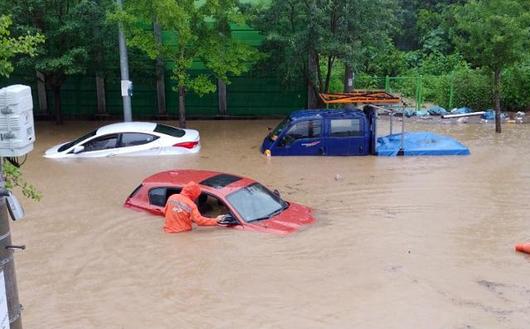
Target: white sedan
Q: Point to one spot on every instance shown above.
(129, 139)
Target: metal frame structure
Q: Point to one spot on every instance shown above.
(360, 97)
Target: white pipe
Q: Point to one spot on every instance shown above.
(473, 114)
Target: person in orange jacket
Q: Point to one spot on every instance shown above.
(180, 210)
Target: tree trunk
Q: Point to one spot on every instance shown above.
(160, 76)
(100, 74)
(316, 58)
(312, 98)
(182, 107)
(100, 94)
(221, 93)
(328, 74)
(160, 87)
(348, 79)
(41, 93)
(58, 109)
(312, 93)
(497, 95)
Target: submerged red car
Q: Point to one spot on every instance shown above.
(246, 204)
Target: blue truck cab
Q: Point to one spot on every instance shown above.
(324, 132)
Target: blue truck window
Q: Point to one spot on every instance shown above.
(345, 127)
(279, 129)
(302, 130)
(305, 129)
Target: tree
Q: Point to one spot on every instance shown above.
(411, 34)
(12, 46)
(67, 26)
(493, 34)
(101, 47)
(200, 32)
(307, 38)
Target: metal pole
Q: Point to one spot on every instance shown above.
(402, 129)
(391, 116)
(402, 146)
(124, 68)
(421, 93)
(417, 93)
(451, 90)
(7, 264)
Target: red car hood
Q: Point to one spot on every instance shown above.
(288, 221)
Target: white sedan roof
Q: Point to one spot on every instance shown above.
(141, 127)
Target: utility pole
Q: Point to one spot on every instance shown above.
(18, 134)
(126, 85)
(8, 280)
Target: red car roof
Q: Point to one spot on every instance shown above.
(181, 177)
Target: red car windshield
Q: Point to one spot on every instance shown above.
(255, 202)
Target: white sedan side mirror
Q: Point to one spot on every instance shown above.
(78, 149)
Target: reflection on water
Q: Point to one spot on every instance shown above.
(400, 243)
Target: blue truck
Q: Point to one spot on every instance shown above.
(350, 132)
(324, 132)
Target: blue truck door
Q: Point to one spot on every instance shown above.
(301, 138)
(346, 136)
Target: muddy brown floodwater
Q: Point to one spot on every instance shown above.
(420, 242)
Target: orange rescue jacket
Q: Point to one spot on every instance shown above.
(180, 210)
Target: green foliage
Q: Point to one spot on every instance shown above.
(71, 29)
(11, 46)
(67, 26)
(424, 25)
(515, 88)
(389, 61)
(434, 28)
(473, 88)
(13, 178)
(493, 33)
(201, 33)
(347, 31)
(446, 42)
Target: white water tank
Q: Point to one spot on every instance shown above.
(17, 132)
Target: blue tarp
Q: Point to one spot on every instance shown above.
(420, 143)
(437, 110)
(422, 114)
(490, 115)
(461, 110)
(410, 112)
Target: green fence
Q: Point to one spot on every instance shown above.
(248, 96)
(259, 95)
(264, 96)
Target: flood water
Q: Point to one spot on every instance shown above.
(419, 242)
